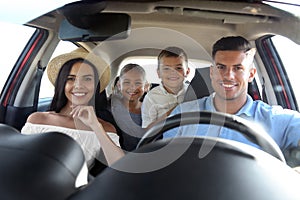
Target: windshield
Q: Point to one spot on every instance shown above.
(292, 6)
(26, 10)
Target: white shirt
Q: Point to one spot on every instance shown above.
(158, 101)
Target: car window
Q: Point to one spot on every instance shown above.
(12, 48)
(289, 53)
(150, 66)
(47, 89)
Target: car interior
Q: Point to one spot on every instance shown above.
(117, 30)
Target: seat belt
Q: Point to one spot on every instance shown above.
(263, 92)
(37, 79)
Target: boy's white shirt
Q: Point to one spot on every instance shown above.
(158, 101)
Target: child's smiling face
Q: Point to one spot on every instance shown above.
(132, 85)
(172, 72)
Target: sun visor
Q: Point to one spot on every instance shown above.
(96, 27)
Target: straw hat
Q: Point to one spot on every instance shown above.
(102, 67)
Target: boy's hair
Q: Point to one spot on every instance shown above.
(231, 43)
(135, 67)
(172, 52)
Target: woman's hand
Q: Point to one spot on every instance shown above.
(86, 114)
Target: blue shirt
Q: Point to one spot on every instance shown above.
(283, 125)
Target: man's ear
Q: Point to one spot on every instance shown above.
(211, 72)
(252, 73)
(187, 72)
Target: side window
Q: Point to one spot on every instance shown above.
(289, 53)
(47, 89)
(11, 49)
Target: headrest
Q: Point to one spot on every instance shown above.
(40, 166)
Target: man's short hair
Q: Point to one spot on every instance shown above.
(231, 43)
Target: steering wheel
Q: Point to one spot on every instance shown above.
(257, 136)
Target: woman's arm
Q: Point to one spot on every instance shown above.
(87, 115)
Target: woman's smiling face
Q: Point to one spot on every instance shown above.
(80, 85)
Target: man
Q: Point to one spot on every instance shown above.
(230, 74)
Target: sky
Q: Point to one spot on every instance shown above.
(21, 11)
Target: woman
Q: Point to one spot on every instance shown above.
(126, 104)
(75, 76)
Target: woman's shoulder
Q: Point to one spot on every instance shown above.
(38, 117)
(50, 118)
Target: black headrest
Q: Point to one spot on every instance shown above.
(40, 166)
(187, 168)
(200, 85)
(6, 129)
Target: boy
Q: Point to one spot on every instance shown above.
(160, 101)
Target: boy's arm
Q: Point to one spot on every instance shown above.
(148, 111)
(163, 117)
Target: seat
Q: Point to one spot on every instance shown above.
(200, 85)
(6, 129)
(41, 166)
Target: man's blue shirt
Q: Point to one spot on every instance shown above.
(282, 125)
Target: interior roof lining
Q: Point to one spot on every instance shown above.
(228, 7)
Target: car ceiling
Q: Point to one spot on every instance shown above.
(157, 24)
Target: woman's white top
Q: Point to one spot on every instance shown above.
(86, 139)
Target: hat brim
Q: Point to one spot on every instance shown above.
(102, 67)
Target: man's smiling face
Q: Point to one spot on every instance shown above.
(231, 74)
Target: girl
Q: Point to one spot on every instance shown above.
(126, 104)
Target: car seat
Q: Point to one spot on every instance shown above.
(40, 166)
(200, 85)
(6, 129)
